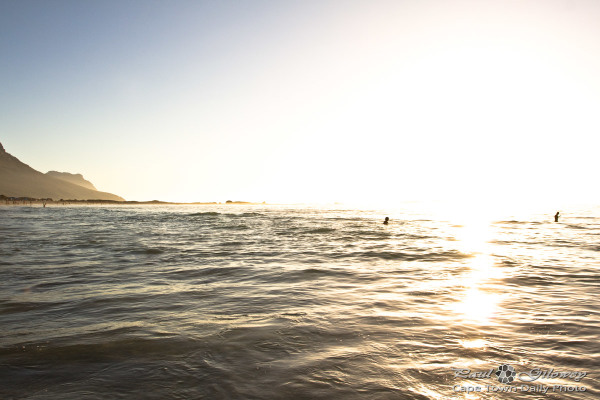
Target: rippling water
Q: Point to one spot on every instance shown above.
(274, 302)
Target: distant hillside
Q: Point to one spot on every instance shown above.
(73, 178)
(18, 179)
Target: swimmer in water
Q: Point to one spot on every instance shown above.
(387, 219)
(556, 216)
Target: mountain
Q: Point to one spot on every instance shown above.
(73, 178)
(18, 179)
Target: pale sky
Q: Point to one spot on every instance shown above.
(352, 101)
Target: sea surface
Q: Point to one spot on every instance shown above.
(296, 302)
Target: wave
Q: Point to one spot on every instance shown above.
(185, 274)
(139, 250)
(320, 230)
(246, 214)
(450, 255)
(10, 307)
(153, 251)
(532, 281)
(573, 226)
(240, 227)
(232, 244)
(337, 275)
(108, 345)
(204, 214)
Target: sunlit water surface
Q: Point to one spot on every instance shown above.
(281, 302)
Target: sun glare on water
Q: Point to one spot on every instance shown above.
(474, 344)
(479, 301)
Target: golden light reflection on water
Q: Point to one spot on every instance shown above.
(481, 270)
(477, 306)
(474, 343)
(478, 302)
(474, 237)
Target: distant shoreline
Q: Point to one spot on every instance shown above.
(26, 201)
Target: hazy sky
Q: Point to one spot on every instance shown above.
(368, 101)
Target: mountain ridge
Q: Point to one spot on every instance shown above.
(18, 179)
(77, 179)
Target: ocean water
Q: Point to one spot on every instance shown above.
(294, 302)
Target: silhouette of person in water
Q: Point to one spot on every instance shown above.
(556, 216)
(387, 219)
